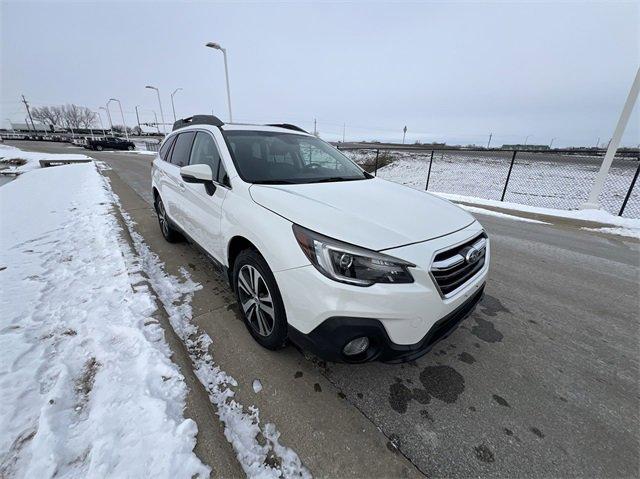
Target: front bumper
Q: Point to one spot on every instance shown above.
(328, 339)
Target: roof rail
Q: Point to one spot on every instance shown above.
(198, 120)
(288, 126)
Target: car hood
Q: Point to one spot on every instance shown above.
(374, 213)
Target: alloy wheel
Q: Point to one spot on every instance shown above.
(162, 218)
(256, 300)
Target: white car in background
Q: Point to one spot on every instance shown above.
(351, 267)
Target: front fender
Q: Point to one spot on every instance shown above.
(269, 232)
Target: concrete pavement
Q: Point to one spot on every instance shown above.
(541, 381)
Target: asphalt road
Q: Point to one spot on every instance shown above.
(542, 380)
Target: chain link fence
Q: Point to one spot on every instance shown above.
(549, 179)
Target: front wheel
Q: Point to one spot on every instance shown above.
(130, 147)
(259, 300)
(169, 233)
(99, 147)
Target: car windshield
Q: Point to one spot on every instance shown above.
(286, 158)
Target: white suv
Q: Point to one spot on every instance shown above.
(349, 266)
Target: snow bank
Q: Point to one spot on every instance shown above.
(87, 385)
(32, 158)
(497, 214)
(257, 448)
(612, 224)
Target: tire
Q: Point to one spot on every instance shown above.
(130, 148)
(99, 147)
(267, 323)
(169, 233)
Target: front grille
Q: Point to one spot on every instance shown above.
(453, 268)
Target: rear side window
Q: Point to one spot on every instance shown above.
(164, 151)
(182, 149)
(205, 152)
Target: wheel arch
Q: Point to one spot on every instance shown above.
(237, 244)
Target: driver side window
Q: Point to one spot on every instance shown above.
(205, 152)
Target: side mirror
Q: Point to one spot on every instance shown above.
(196, 174)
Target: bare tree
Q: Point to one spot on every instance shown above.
(87, 117)
(49, 115)
(71, 116)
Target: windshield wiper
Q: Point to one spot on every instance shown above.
(335, 178)
(275, 182)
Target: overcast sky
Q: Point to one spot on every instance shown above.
(449, 71)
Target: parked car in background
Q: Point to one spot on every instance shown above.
(352, 267)
(109, 143)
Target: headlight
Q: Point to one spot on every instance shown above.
(351, 264)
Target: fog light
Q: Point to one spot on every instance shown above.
(356, 346)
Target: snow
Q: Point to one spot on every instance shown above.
(497, 214)
(143, 152)
(596, 216)
(548, 180)
(32, 158)
(242, 426)
(257, 386)
(87, 385)
(620, 231)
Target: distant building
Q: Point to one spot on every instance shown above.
(525, 147)
(26, 127)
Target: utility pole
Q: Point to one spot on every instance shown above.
(598, 143)
(551, 142)
(489, 142)
(344, 127)
(404, 133)
(315, 127)
(614, 143)
(26, 104)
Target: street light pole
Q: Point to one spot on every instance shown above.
(173, 107)
(124, 124)
(109, 117)
(10, 125)
(100, 118)
(138, 119)
(526, 139)
(164, 128)
(551, 142)
(216, 46)
(155, 115)
(598, 184)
